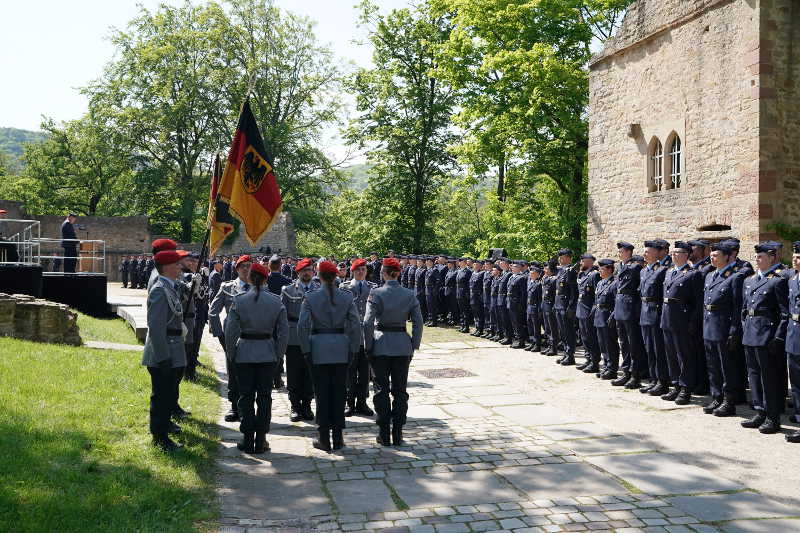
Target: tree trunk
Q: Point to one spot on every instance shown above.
(579, 217)
(501, 178)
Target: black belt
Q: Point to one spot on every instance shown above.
(255, 336)
(175, 332)
(292, 319)
(396, 329)
(321, 331)
(760, 312)
(672, 301)
(650, 299)
(712, 307)
(628, 292)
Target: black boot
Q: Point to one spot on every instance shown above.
(363, 409)
(684, 397)
(296, 414)
(672, 395)
(164, 443)
(659, 389)
(770, 425)
(633, 383)
(711, 407)
(622, 380)
(324, 441)
(232, 415)
(247, 443)
(583, 365)
(383, 436)
(568, 360)
(728, 407)
(261, 445)
(306, 412)
(591, 368)
(756, 421)
(397, 435)
(338, 439)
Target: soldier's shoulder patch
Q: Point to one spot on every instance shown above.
(727, 273)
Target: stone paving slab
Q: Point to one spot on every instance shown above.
(561, 480)
(468, 382)
(254, 467)
(274, 497)
(454, 345)
(762, 526)
(361, 496)
(576, 431)
(658, 473)
(535, 415)
(454, 488)
(609, 445)
(466, 410)
(504, 399)
(493, 390)
(423, 412)
(718, 507)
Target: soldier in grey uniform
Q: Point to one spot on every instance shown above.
(298, 374)
(390, 349)
(164, 350)
(223, 300)
(256, 331)
(330, 335)
(358, 375)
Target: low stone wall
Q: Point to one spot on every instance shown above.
(29, 318)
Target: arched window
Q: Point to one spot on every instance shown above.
(675, 163)
(655, 165)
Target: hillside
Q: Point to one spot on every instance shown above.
(13, 139)
(357, 176)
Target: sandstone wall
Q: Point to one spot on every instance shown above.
(677, 67)
(29, 318)
(281, 236)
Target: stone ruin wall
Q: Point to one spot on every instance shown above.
(28, 318)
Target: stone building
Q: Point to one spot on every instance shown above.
(694, 123)
(281, 236)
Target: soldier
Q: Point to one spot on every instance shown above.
(123, 271)
(488, 278)
(404, 266)
(450, 309)
(358, 373)
(503, 319)
(626, 315)
(547, 307)
(463, 293)
(200, 302)
(133, 274)
(374, 268)
(722, 301)
(517, 303)
(533, 312)
(765, 318)
(298, 376)
(566, 304)
(223, 300)
(699, 260)
(587, 285)
(142, 273)
(164, 350)
(419, 286)
(330, 335)
(605, 295)
(678, 318)
(227, 269)
(433, 283)
(214, 280)
(411, 272)
(651, 290)
(150, 269)
(256, 331)
(793, 337)
(476, 298)
(390, 349)
(744, 269)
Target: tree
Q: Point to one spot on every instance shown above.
(404, 116)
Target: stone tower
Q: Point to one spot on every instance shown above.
(694, 123)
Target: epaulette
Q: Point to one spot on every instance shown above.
(727, 273)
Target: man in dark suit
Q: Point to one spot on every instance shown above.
(69, 242)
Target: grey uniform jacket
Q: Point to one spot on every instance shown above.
(330, 333)
(164, 325)
(389, 307)
(292, 297)
(360, 292)
(249, 316)
(223, 300)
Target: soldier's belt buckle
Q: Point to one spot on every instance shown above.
(751, 312)
(709, 307)
(666, 300)
(796, 318)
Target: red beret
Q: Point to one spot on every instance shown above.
(3, 211)
(258, 267)
(358, 263)
(327, 266)
(168, 257)
(160, 245)
(243, 259)
(391, 262)
(305, 263)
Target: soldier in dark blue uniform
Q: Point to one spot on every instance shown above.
(404, 266)
(566, 304)
(548, 302)
(605, 295)
(227, 269)
(475, 290)
(419, 287)
(450, 309)
(587, 285)
(276, 281)
(626, 314)
(682, 305)
(533, 312)
(123, 270)
(503, 319)
(651, 289)
(517, 303)
(374, 268)
(699, 260)
(722, 302)
(411, 272)
(765, 320)
(497, 327)
(744, 269)
(463, 293)
(793, 337)
(488, 323)
(433, 284)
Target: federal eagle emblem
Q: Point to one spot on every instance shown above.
(253, 170)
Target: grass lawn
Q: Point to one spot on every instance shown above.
(75, 453)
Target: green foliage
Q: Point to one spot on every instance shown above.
(785, 231)
(13, 141)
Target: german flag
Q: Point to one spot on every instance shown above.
(219, 217)
(248, 189)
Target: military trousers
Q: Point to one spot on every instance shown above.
(465, 311)
(609, 347)
(255, 396)
(452, 309)
(721, 372)
(330, 389)
(233, 381)
(488, 319)
(552, 326)
(358, 378)
(794, 378)
(298, 377)
(162, 400)
(70, 257)
(638, 360)
(680, 359)
(433, 306)
(391, 377)
(698, 347)
(124, 279)
(518, 321)
(766, 374)
(534, 319)
(477, 315)
(566, 328)
(656, 356)
(591, 344)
